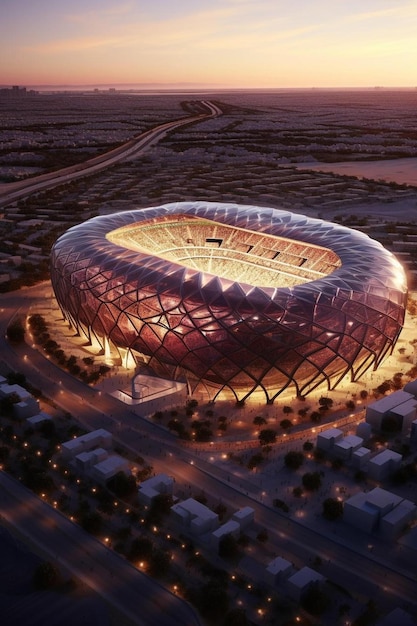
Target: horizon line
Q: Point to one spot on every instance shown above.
(195, 85)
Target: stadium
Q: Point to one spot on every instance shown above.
(233, 299)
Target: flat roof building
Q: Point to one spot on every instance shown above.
(301, 581)
(194, 516)
(99, 438)
(384, 464)
(244, 516)
(109, 467)
(391, 406)
(327, 438)
(155, 486)
(278, 570)
(378, 508)
(344, 448)
(229, 528)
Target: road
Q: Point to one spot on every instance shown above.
(384, 575)
(135, 595)
(9, 192)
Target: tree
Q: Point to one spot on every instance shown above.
(45, 576)
(121, 484)
(259, 420)
(308, 446)
(141, 549)
(315, 417)
(262, 535)
(203, 434)
(337, 464)
(267, 436)
(315, 601)
(397, 380)
(293, 459)
(285, 424)
(325, 403)
(311, 481)
(228, 547)
(159, 563)
(384, 387)
(255, 460)
(287, 410)
(92, 523)
(332, 509)
(221, 510)
(16, 331)
(159, 509)
(213, 601)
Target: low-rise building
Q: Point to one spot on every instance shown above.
(229, 528)
(384, 464)
(99, 438)
(277, 571)
(399, 406)
(327, 439)
(245, 516)
(300, 582)
(85, 460)
(194, 517)
(38, 419)
(345, 447)
(364, 430)
(397, 520)
(152, 487)
(378, 509)
(360, 457)
(109, 467)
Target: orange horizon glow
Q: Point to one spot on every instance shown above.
(224, 43)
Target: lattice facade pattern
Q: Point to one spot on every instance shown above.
(337, 308)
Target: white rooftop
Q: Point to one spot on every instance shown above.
(393, 400)
(111, 464)
(385, 457)
(226, 529)
(361, 452)
(195, 508)
(330, 433)
(305, 576)
(350, 441)
(278, 565)
(7, 390)
(405, 408)
(381, 498)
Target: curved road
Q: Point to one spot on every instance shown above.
(10, 192)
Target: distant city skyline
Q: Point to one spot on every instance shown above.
(222, 43)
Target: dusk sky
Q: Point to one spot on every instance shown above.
(224, 43)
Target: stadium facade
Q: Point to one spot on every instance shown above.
(237, 299)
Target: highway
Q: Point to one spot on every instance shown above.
(386, 575)
(9, 192)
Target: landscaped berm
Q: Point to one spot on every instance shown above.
(236, 299)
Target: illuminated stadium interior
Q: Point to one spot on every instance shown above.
(229, 252)
(234, 299)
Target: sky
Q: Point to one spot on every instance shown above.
(222, 43)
